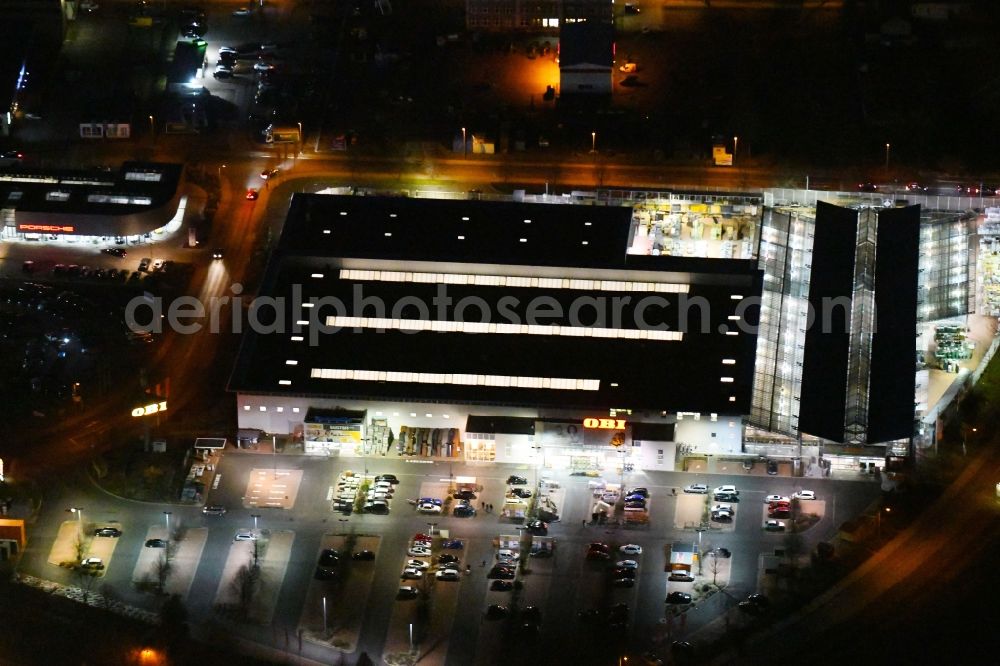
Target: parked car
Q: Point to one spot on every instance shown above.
(523, 493)
(448, 574)
(501, 586)
(697, 488)
(598, 555)
(537, 527)
(214, 510)
(391, 478)
(453, 544)
(406, 592)
(681, 575)
(447, 558)
(514, 480)
(726, 497)
(496, 612)
(252, 194)
(92, 564)
(428, 507)
(644, 492)
(156, 543)
(411, 573)
(623, 582)
(222, 71)
(772, 467)
(242, 12)
(678, 598)
(107, 532)
(417, 564)
(379, 507)
(419, 551)
(498, 572)
(245, 535)
(507, 555)
(774, 526)
(755, 604)
(780, 512)
(624, 572)
(541, 552)
(627, 564)
(721, 552)
(464, 511)
(730, 489)
(363, 555)
(804, 495)
(775, 498)
(630, 549)
(464, 495)
(429, 500)
(115, 252)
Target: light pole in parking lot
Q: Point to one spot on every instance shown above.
(593, 143)
(736, 147)
(78, 510)
(221, 167)
(324, 618)
(255, 516)
(167, 515)
(888, 509)
(465, 149)
(152, 128)
(887, 149)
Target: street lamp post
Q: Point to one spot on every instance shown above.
(255, 516)
(736, 147)
(593, 142)
(887, 149)
(167, 514)
(324, 618)
(221, 167)
(78, 510)
(152, 127)
(465, 146)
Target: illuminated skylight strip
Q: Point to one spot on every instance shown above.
(438, 326)
(504, 381)
(511, 281)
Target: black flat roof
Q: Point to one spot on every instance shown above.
(683, 374)
(90, 191)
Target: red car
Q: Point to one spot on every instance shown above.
(252, 194)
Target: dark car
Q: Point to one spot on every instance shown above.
(514, 480)
(681, 575)
(726, 497)
(464, 495)
(624, 572)
(779, 513)
(597, 555)
(447, 559)
(639, 491)
(156, 543)
(502, 573)
(107, 532)
(214, 510)
(755, 604)
(464, 511)
(623, 582)
(722, 552)
(222, 72)
(454, 544)
(868, 187)
(537, 527)
(772, 467)
(541, 552)
(496, 612)
(252, 194)
(391, 478)
(678, 598)
(363, 555)
(635, 504)
(501, 586)
(329, 558)
(407, 592)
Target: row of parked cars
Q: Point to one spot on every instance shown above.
(421, 562)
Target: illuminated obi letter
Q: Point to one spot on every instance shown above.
(153, 408)
(604, 424)
(50, 228)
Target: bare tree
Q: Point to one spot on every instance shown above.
(161, 571)
(79, 548)
(246, 583)
(714, 566)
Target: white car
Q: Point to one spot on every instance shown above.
(631, 549)
(775, 498)
(242, 11)
(507, 555)
(419, 551)
(411, 573)
(447, 574)
(417, 564)
(627, 564)
(730, 489)
(88, 6)
(698, 488)
(722, 508)
(427, 507)
(245, 535)
(262, 66)
(805, 495)
(775, 526)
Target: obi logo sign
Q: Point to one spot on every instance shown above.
(604, 424)
(153, 408)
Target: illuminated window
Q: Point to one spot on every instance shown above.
(357, 275)
(295, 410)
(246, 408)
(263, 408)
(504, 381)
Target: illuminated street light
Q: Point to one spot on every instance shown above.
(255, 516)
(221, 167)
(736, 147)
(887, 148)
(593, 142)
(152, 127)
(465, 150)
(78, 510)
(167, 514)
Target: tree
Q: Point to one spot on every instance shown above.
(245, 584)
(161, 571)
(714, 565)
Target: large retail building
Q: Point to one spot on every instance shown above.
(495, 331)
